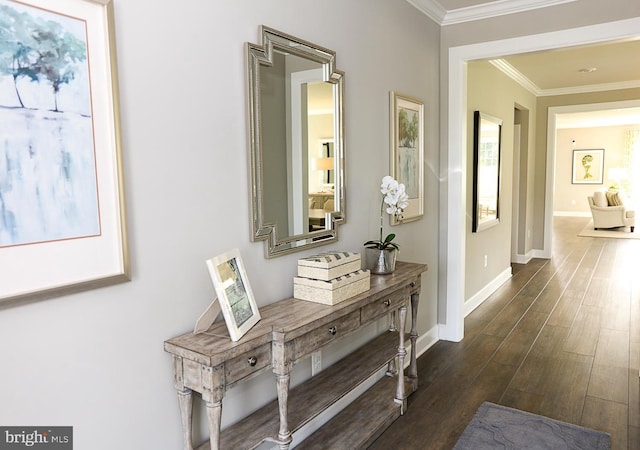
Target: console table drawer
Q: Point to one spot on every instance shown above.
(321, 336)
(384, 305)
(247, 364)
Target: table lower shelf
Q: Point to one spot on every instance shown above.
(359, 424)
(309, 399)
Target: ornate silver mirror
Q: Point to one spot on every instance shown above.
(296, 149)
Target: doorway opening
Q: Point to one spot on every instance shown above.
(451, 290)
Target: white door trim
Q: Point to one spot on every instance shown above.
(453, 198)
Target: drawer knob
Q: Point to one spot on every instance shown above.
(333, 331)
(252, 361)
(387, 302)
(413, 284)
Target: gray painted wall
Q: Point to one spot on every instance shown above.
(95, 360)
(571, 198)
(492, 92)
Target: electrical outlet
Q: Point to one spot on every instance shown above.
(486, 260)
(316, 362)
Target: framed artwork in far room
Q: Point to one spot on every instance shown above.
(587, 166)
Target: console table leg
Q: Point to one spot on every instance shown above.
(413, 364)
(391, 367)
(214, 414)
(284, 433)
(185, 400)
(392, 321)
(402, 352)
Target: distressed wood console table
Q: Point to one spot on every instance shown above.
(289, 331)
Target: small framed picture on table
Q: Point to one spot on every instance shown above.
(234, 293)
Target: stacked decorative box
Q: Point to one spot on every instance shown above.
(330, 278)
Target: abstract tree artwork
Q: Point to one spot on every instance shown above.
(47, 165)
(61, 198)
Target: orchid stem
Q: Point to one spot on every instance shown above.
(381, 211)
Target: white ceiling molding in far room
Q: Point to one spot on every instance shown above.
(437, 10)
(600, 115)
(529, 85)
(516, 75)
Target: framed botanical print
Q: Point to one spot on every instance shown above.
(588, 166)
(407, 152)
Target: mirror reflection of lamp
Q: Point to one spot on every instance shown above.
(325, 164)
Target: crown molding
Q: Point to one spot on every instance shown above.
(434, 10)
(591, 88)
(431, 8)
(516, 76)
(529, 85)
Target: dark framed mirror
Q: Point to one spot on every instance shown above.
(487, 138)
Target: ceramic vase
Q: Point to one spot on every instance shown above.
(380, 262)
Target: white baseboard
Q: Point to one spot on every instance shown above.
(484, 293)
(540, 254)
(534, 253)
(426, 341)
(522, 259)
(572, 213)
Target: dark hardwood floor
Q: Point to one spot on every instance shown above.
(561, 338)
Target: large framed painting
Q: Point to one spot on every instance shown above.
(62, 218)
(407, 152)
(235, 296)
(588, 167)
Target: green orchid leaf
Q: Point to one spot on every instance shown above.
(372, 244)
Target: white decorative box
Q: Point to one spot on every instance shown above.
(330, 265)
(333, 291)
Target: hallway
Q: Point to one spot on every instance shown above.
(561, 338)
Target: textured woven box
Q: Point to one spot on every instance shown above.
(330, 265)
(333, 291)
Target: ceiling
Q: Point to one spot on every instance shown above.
(587, 68)
(599, 67)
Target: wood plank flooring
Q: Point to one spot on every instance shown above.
(561, 338)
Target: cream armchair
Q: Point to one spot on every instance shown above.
(605, 216)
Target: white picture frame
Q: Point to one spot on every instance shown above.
(588, 166)
(235, 296)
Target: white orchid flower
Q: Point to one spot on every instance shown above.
(395, 198)
(389, 185)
